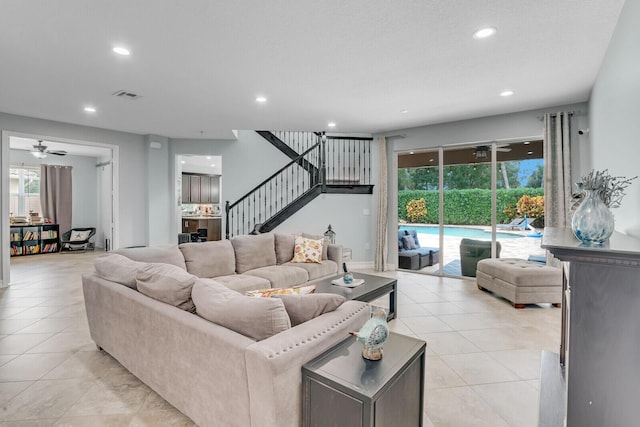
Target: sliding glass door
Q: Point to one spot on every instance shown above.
(484, 201)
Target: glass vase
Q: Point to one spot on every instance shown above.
(592, 223)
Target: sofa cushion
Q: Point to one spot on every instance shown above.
(316, 271)
(268, 292)
(167, 283)
(307, 250)
(256, 318)
(284, 247)
(243, 282)
(209, 259)
(325, 246)
(254, 251)
(301, 308)
(281, 276)
(118, 268)
(160, 254)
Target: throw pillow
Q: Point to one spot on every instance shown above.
(167, 283)
(294, 290)
(256, 318)
(408, 243)
(118, 268)
(325, 245)
(79, 236)
(301, 308)
(307, 250)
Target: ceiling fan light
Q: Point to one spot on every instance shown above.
(38, 154)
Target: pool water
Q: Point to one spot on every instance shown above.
(452, 231)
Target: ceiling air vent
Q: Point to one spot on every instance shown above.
(125, 94)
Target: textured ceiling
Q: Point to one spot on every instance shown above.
(199, 65)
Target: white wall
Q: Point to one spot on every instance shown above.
(132, 170)
(158, 191)
(84, 212)
(615, 114)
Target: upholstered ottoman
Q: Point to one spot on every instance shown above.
(519, 281)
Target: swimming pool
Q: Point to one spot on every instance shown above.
(453, 231)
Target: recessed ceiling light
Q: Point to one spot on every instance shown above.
(404, 111)
(331, 124)
(527, 142)
(183, 162)
(431, 160)
(208, 157)
(483, 33)
(507, 93)
(530, 152)
(261, 99)
(410, 152)
(89, 109)
(213, 165)
(121, 51)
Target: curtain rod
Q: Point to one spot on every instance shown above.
(576, 112)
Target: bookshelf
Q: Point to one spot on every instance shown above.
(34, 239)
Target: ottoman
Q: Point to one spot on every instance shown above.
(519, 281)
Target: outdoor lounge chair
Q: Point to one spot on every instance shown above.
(77, 239)
(516, 224)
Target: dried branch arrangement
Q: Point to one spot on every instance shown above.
(609, 188)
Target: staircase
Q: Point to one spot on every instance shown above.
(319, 164)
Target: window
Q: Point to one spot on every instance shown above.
(24, 190)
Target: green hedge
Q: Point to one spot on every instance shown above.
(464, 207)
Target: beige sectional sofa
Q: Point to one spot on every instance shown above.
(212, 374)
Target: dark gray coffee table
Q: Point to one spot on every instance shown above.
(373, 288)
(341, 389)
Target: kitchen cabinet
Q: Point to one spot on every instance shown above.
(186, 189)
(215, 189)
(200, 188)
(213, 226)
(195, 188)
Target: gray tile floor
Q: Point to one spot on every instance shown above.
(483, 356)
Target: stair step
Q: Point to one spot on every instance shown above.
(348, 189)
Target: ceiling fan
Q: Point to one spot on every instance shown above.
(482, 151)
(40, 151)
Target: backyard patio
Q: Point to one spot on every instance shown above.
(515, 244)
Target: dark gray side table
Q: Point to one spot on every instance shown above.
(340, 388)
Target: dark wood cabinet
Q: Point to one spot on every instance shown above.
(212, 225)
(200, 188)
(205, 189)
(195, 188)
(186, 189)
(215, 189)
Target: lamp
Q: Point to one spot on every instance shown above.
(330, 235)
(38, 154)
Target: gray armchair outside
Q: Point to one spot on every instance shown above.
(472, 251)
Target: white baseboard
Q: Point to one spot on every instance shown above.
(364, 265)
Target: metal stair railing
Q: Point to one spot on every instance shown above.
(273, 195)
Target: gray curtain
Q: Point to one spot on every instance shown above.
(557, 169)
(380, 262)
(55, 195)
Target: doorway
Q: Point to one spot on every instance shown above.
(95, 183)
